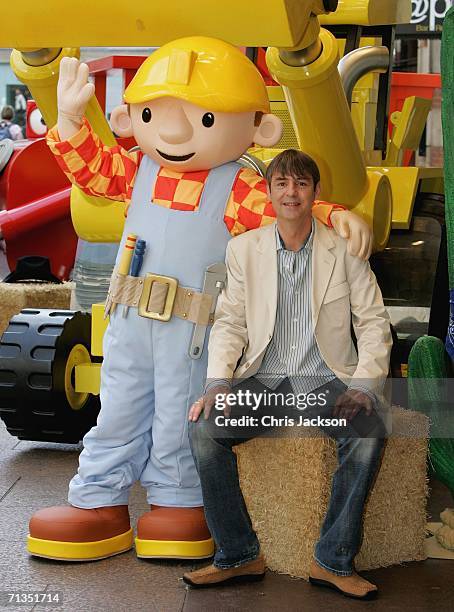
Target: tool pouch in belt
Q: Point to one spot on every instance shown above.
(159, 297)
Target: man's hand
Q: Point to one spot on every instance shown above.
(73, 94)
(358, 233)
(207, 401)
(350, 403)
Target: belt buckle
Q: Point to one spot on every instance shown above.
(146, 292)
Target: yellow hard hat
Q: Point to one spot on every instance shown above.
(205, 71)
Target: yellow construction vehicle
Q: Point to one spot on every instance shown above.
(334, 110)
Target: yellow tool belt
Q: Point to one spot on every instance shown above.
(159, 297)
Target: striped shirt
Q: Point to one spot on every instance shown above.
(293, 352)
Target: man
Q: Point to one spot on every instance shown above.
(8, 129)
(292, 290)
(20, 106)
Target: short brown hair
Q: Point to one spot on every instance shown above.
(7, 113)
(293, 163)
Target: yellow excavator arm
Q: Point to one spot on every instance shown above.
(254, 23)
(301, 56)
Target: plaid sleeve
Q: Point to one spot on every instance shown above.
(322, 211)
(97, 169)
(249, 208)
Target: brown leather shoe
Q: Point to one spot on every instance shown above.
(212, 576)
(78, 534)
(175, 533)
(350, 586)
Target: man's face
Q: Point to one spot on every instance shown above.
(292, 197)
(185, 137)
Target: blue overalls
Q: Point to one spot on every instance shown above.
(148, 380)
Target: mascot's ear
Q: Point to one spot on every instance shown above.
(121, 121)
(269, 131)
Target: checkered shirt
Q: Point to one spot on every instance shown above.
(99, 170)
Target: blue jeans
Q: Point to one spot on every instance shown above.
(225, 509)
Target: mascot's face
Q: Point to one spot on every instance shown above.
(185, 137)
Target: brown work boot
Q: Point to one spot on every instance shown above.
(67, 533)
(173, 533)
(212, 576)
(350, 586)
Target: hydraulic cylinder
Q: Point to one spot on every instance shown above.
(324, 128)
(322, 120)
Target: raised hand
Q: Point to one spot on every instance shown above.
(73, 94)
(73, 90)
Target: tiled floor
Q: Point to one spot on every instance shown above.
(33, 475)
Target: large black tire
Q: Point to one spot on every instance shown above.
(37, 397)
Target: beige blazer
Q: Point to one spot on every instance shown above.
(344, 290)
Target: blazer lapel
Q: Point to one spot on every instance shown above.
(266, 246)
(322, 267)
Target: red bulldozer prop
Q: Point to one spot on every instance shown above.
(34, 202)
(34, 193)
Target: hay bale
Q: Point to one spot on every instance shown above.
(287, 483)
(16, 296)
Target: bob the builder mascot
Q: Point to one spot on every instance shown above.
(194, 107)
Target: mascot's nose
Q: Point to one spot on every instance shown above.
(176, 128)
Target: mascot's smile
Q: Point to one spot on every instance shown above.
(175, 158)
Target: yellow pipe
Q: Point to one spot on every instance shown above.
(97, 219)
(42, 83)
(311, 33)
(94, 218)
(116, 23)
(323, 126)
(369, 12)
(322, 121)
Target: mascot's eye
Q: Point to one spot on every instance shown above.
(146, 115)
(208, 119)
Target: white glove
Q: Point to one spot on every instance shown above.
(358, 233)
(73, 90)
(73, 94)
